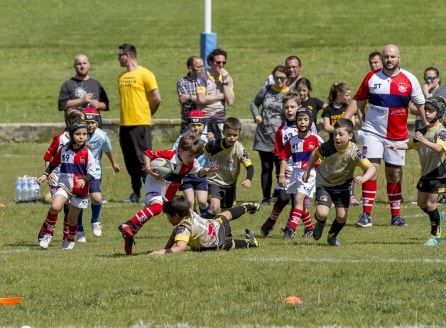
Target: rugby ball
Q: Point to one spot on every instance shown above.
(161, 166)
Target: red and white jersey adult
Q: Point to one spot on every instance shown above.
(180, 170)
(299, 150)
(74, 164)
(388, 102)
(285, 132)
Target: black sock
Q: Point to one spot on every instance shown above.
(237, 211)
(434, 217)
(241, 243)
(336, 227)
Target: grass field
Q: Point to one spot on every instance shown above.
(379, 277)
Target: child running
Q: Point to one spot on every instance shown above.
(204, 234)
(290, 105)
(159, 189)
(296, 153)
(77, 169)
(431, 146)
(229, 153)
(339, 157)
(98, 143)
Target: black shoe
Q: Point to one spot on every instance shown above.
(317, 231)
(251, 207)
(133, 198)
(251, 238)
(288, 233)
(267, 227)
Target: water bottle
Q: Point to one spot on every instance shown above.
(18, 190)
(35, 189)
(25, 189)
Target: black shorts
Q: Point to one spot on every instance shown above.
(226, 195)
(338, 197)
(431, 185)
(224, 233)
(194, 182)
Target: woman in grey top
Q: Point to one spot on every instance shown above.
(268, 120)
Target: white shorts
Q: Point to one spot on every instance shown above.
(155, 189)
(374, 147)
(76, 201)
(296, 185)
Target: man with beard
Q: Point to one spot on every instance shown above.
(388, 92)
(81, 90)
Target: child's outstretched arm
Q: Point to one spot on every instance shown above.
(368, 174)
(180, 246)
(403, 146)
(282, 173)
(432, 145)
(313, 159)
(113, 162)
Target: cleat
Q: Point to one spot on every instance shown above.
(432, 241)
(265, 202)
(365, 221)
(45, 241)
(398, 221)
(68, 245)
(133, 198)
(317, 231)
(288, 233)
(332, 240)
(80, 237)
(354, 201)
(266, 227)
(127, 234)
(251, 238)
(251, 207)
(96, 227)
(308, 233)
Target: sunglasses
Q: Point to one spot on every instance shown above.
(223, 62)
(279, 78)
(429, 78)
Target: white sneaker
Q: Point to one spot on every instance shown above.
(80, 237)
(68, 245)
(45, 241)
(97, 229)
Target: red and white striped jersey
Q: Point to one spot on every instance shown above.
(74, 164)
(388, 102)
(58, 142)
(180, 170)
(284, 133)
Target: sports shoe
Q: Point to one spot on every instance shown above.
(354, 201)
(288, 233)
(432, 241)
(80, 237)
(265, 202)
(45, 241)
(308, 233)
(398, 221)
(332, 240)
(317, 231)
(251, 207)
(127, 234)
(365, 221)
(96, 227)
(68, 245)
(133, 198)
(266, 227)
(251, 238)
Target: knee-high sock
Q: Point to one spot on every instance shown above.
(95, 212)
(306, 219)
(49, 224)
(144, 215)
(296, 215)
(368, 196)
(394, 193)
(434, 218)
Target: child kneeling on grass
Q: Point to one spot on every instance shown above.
(159, 189)
(77, 169)
(204, 234)
(431, 146)
(339, 157)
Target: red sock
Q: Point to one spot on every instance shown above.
(296, 215)
(66, 227)
(394, 193)
(368, 196)
(275, 212)
(306, 219)
(49, 225)
(145, 214)
(71, 236)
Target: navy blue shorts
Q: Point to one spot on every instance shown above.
(95, 186)
(194, 182)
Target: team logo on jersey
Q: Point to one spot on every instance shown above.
(402, 87)
(311, 145)
(442, 136)
(211, 231)
(82, 160)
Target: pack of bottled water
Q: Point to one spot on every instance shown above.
(27, 189)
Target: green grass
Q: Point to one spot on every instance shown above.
(381, 276)
(40, 39)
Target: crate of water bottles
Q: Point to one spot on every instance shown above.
(27, 189)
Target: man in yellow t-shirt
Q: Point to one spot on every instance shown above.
(139, 100)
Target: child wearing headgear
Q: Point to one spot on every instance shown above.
(77, 168)
(431, 145)
(195, 188)
(98, 143)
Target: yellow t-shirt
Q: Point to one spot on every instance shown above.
(134, 88)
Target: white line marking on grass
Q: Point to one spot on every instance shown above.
(14, 250)
(331, 260)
